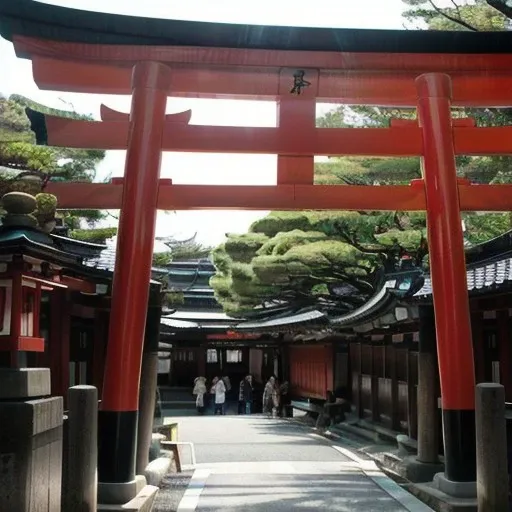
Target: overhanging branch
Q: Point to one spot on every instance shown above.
(501, 6)
(459, 21)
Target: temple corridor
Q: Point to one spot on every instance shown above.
(259, 464)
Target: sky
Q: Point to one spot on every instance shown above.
(214, 169)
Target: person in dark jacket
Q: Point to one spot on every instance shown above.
(247, 394)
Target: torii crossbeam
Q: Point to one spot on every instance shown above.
(153, 59)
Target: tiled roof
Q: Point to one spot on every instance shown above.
(201, 316)
(107, 259)
(290, 320)
(480, 278)
(178, 324)
(489, 266)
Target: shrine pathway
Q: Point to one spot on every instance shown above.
(257, 464)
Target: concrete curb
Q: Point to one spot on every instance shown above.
(157, 469)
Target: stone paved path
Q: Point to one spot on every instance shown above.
(256, 464)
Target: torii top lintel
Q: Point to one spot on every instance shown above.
(83, 51)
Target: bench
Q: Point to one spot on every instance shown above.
(171, 443)
(173, 446)
(323, 413)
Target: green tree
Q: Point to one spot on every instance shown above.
(161, 259)
(27, 167)
(190, 251)
(327, 260)
(187, 250)
(473, 15)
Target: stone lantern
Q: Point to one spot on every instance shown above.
(30, 420)
(20, 286)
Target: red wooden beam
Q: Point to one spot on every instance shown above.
(178, 136)
(72, 133)
(496, 140)
(474, 87)
(281, 197)
(98, 196)
(129, 55)
(20, 343)
(485, 198)
(104, 196)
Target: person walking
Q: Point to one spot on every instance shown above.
(211, 396)
(269, 396)
(247, 394)
(200, 392)
(241, 404)
(220, 395)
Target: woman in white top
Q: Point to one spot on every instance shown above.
(220, 395)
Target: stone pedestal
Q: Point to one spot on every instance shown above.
(30, 442)
(416, 471)
(120, 493)
(491, 448)
(455, 489)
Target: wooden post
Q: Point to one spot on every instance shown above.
(80, 481)
(374, 387)
(491, 452)
(412, 394)
(505, 352)
(395, 420)
(148, 385)
(428, 442)
(130, 290)
(59, 345)
(448, 274)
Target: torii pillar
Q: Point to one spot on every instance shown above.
(448, 272)
(118, 415)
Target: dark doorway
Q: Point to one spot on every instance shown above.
(81, 351)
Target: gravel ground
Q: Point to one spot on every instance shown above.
(171, 491)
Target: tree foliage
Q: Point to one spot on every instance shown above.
(473, 15)
(327, 260)
(161, 259)
(334, 261)
(93, 236)
(188, 250)
(26, 167)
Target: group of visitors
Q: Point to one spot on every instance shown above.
(212, 397)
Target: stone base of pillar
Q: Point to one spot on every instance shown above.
(416, 471)
(455, 489)
(120, 493)
(142, 502)
(438, 500)
(30, 443)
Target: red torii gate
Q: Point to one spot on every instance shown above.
(428, 70)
